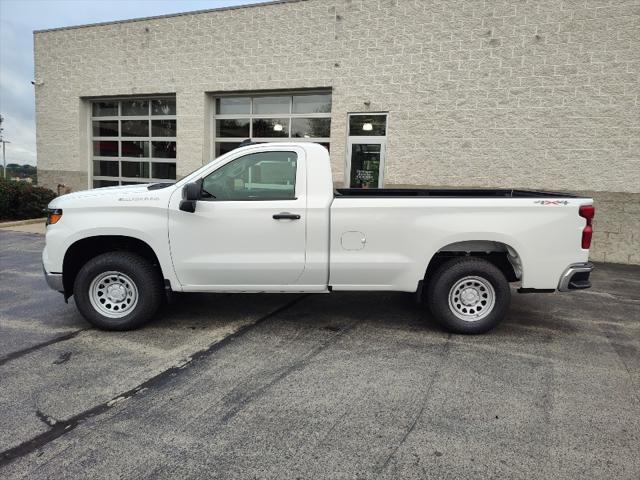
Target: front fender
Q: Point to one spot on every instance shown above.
(149, 228)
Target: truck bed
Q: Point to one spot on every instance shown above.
(448, 193)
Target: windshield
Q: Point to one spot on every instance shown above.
(202, 168)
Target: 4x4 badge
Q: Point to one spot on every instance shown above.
(552, 202)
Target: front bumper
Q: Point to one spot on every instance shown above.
(54, 280)
(575, 277)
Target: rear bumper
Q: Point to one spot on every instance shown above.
(575, 277)
(54, 280)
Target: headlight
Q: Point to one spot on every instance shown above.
(53, 215)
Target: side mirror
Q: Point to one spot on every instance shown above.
(190, 195)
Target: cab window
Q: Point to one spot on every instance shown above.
(257, 176)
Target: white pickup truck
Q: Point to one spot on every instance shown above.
(266, 218)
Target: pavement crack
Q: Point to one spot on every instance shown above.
(323, 440)
(63, 358)
(61, 427)
(623, 347)
(445, 352)
(243, 400)
(21, 353)
(46, 419)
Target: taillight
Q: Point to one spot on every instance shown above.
(587, 211)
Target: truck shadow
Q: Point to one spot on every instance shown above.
(553, 314)
(384, 310)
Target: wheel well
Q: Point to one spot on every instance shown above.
(84, 250)
(503, 256)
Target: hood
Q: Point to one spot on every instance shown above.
(109, 195)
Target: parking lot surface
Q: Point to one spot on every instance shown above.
(347, 385)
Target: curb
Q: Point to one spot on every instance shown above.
(17, 223)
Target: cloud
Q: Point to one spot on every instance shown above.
(16, 94)
(21, 134)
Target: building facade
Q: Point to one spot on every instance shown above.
(534, 94)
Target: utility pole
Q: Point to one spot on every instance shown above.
(4, 158)
(4, 142)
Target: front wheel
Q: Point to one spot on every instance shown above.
(118, 291)
(468, 295)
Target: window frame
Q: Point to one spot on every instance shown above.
(368, 114)
(296, 193)
(150, 160)
(251, 116)
(362, 139)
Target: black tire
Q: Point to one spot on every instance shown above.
(471, 277)
(136, 270)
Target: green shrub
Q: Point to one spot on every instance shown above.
(22, 200)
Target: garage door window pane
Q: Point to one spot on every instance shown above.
(270, 127)
(312, 103)
(225, 147)
(163, 149)
(163, 106)
(163, 128)
(365, 125)
(163, 170)
(105, 168)
(105, 109)
(233, 105)
(270, 105)
(310, 127)
(135, 107)
(135, 169)
(105, 183)
(104, 148)
(105, 128)
(135, 128)
(135, 149)
(233, 128)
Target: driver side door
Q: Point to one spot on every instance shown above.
(248, 229)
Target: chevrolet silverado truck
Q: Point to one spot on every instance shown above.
(266, 218)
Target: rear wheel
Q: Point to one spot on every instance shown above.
(118, 291)
(468, 295)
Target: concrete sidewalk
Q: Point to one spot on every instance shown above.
(36, 225)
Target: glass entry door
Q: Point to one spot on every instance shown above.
(366, 163)
(366, 149)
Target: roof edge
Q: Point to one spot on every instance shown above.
(168, 15)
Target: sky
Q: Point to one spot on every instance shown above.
(18, 20)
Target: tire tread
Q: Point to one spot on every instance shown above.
(146, 276)
(440, 282)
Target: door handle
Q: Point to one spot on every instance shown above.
(286, 216)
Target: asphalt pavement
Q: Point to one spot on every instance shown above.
(347, 385)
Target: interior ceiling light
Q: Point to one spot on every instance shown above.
(367, 127)
(277, 127)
